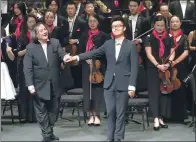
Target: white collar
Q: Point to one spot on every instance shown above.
(133, 17)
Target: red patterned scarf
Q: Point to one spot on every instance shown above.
(18, 23)
(89, 43)
(161, 44)
(179, 33)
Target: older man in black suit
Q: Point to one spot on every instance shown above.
(120, 76)
(42, 69)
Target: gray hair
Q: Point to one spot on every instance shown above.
(35, 31)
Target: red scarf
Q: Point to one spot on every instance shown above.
(29, 36)
(161, 44)
(89, 43)
(51, 27)
(141, 7)
(18, 23)
(175, 36)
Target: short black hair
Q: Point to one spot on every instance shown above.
(138, 1)
(88, 2)
(162, 4)
(71, 3)
(117, 18)
(48, 2)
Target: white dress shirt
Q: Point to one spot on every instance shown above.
(183, 4)
(133, 18)
(71, 24)
(44, 47)
(55, 21)
(118, 44)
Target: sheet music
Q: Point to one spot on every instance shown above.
(4, 5)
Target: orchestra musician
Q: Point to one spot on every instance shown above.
(158, 46)
(93, 38)
(59, 21)
(181, 63)
(26, 101)
(76, 27)
(164, 11)
(120, 77)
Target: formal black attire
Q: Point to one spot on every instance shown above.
(25, 99)
(78, 27)
(178, 97)
(43, 73)
(159, 103)
(97, 102)
(121, 72)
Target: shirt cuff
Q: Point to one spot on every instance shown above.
(77, 41)
(140, 40)
(77, 58)
(131, 88)
(31, 87)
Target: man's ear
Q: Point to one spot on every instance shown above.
(125, 28)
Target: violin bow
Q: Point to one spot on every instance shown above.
(144, 33)
(174, 50)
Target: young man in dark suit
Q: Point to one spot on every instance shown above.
(42, 72)
(120, 77)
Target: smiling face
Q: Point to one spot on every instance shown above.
(49, 18)
(118, 28)
(41, 33)
(17, 11)
(93, 23)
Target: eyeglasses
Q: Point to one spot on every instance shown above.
(116, 26)
(92, 21)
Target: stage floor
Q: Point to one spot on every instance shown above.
(69, 131)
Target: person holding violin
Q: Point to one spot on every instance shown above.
(178, 97)
(92, 39)
(158, 46)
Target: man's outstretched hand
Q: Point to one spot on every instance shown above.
(70, 59)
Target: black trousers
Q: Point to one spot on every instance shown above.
(160, 104)
(26, 100)
(116, 105)
(46, 113)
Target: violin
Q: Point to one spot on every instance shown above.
(166, 85)
(95, 76)
(72, 49)
(175, 81)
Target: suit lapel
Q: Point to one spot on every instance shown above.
(49, 53)
(121, 51)
(41, 51)
(180, 8)
(138, 26)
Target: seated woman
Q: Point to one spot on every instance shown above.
(91, 39)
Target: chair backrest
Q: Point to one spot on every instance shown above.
(141, 80)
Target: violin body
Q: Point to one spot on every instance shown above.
(95, 76)
(166, 85)
(169, 81)
(175, 81)
(72, 49)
